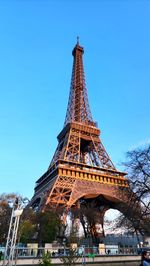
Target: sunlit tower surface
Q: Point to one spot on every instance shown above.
(81, 169)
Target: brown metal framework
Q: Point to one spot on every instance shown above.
(80, 167)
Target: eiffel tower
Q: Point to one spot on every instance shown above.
(80, 167)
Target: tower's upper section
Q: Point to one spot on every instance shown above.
(78, 109)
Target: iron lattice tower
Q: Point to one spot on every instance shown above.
(80, 167)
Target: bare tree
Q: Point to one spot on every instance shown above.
(138, 168)
(90, 214)
(136, 214)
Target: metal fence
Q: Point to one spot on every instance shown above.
(25, 252)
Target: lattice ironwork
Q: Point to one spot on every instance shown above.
(79, 140)
(80, 167)
(78, 109)
(81, 146)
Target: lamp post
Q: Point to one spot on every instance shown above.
(64, 245)
(83, 256)
(17, 210)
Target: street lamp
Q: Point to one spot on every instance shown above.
(17, 210)
(83, 256)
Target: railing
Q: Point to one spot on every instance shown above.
(25, 252)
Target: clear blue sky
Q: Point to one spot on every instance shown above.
(36, 41)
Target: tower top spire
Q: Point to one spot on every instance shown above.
(78, 109)
(77, 49)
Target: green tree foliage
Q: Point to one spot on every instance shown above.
(48, 224)
(46, 259)
(71, 258)
(27, 228)
(41, 227)
(26, 231)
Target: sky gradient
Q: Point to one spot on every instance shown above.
(36, 42)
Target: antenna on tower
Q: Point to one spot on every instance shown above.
(77, 40)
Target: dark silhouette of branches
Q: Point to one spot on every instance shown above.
(136, 214)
